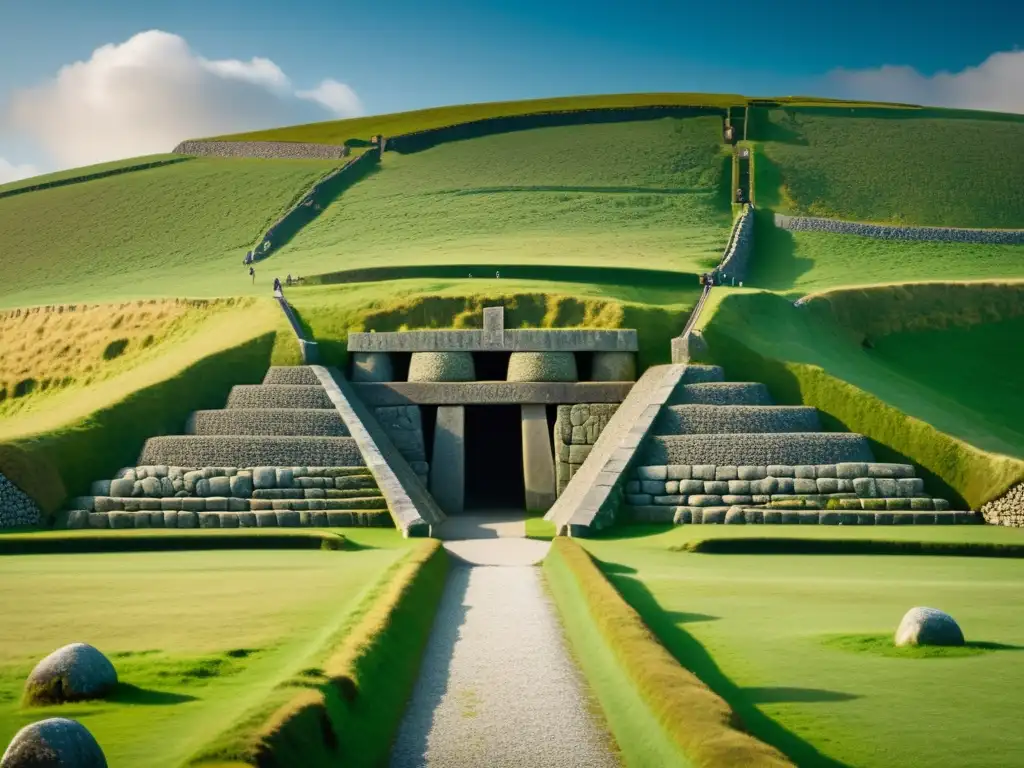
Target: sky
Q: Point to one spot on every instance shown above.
(87, 82)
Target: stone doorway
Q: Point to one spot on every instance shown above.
(494, 458)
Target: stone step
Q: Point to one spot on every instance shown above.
(164, 481)
(847, 471)
(319, 422)
(291, 374)
(756, 449)
(278, 396)
(862, 488)
(732, 419)
(242, 451)
(270, 518)
(222, 503)
(836, 501)
(702, 374)
(721, 393)
(756, 516)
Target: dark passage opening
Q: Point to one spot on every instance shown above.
(494, 457)
(491, 366)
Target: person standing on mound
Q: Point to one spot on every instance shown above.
(252, 274)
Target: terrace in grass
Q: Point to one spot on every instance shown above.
(198, 638)
(761, 631)
(892, 166)
(650, 194)
(176, 230)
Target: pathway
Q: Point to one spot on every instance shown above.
(497, 686)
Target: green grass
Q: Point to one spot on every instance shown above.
(882, 645)
(81, 174)
(757, 629)
(640, 740)
(894, 168)
(539, 528)
(644, 194)
(178, 230)
(683, 537)
(797, 263)
(963, 429)
(170, 620)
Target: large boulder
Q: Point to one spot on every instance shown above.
(72, 673)
(542, 366)
(53, 743)
(928, 626)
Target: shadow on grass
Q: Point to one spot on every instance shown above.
(883, 645)
(780, 695)
(692, 655)
(126, 693)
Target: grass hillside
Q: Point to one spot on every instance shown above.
(803, 262)
(84, 173)
(177, 230)
(893, 167)
(649, 194)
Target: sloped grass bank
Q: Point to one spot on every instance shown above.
(87, 434)
(969, 452)
(156, 540)
(657, 708)
(330, 313)
(347, 709)
(757, 629)
(197, 637)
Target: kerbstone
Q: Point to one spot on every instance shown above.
(928, 626)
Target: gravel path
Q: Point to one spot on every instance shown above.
(497, 686)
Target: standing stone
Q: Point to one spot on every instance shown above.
(928, 626)
(613, 366)
(372, 366)
(448, 463)
(56, 741)
(494, 326)
(538, 462)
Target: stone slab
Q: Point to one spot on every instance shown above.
(448, 461)
(491, 392)
(538, 460)
(523, 340)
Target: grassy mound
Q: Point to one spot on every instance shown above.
(649, 194)
(86, 173)
(184, 677)
(751, 627)
(899, 167)
(176, 230)
(963, 429)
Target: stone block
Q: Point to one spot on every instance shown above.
(887, 487)
(264, 477)
(100, 488)
(687, 487)
(739, 487)
(850, 470)
(716, 487)
(909, 487)
(766, 486)
(99, 519)
(826, 471)
(150, 486)
(217, 504)
(780, 470)
(671, 487)
(122, 488)
(845, 485)
(754, 516)
(633, 486)
(751, 473)
(121, 519)
(705, 500)
(237, 505)
(209, 520)
(866, 487)
(773, 516)
(903, 518)
(703, 471)
(924, 518)
(319, 519)
(315, 493)
(372, 367)
(805, 485)
(922, 504)
(148, 505)
(785, 485)
(652, 473)
(827, 485)
(758, 498)
(188, 519)
(735, 516)
(286, 477)
(679, 471)
(338, 519)
(682, 516)
(266, 519)
(241, 485)
(809, 516)
(737, 499)
(247, 520)
(804, 472)
(577, 453)
(170, 518)
(897, 503)
(669, 501)
(829, 518)
(190, 504)
(941, 505)
(890, 471)
(639, 499)
(288, 518)
(653, 487)
(714, 515)
(726, 473)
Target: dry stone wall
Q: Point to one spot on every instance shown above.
(733, 266)
(16, 507)
(577, 428)
(1007, 509)
(264, 150)
(404, 427)
(888, 232)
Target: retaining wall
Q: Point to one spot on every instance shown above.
(577, 428)
(737, 254)
(404, 427)
(889, 232)
(16, 507)
(265, 150)
(1008, 509)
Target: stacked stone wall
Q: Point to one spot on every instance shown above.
(733, 266)
(577, 428)
(404, 427)
(1008, 509)
(16, 507)
(264, 150)
(887, 232)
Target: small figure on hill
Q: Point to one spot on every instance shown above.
(703, 278)
(252, 274)
(497, 275)
(277, 285)
(739, 195)
(288, 280)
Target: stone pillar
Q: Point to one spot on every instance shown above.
(494, 326)
(448, 463)
(542, 366)
(372, 366)
(614, 366)
(538, 462)
(441, 366)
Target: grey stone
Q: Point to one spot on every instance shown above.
(652, 473)
(679, 471)
(887, 487)
(99, 520)
(653, 487)
(805, 485)
(691, 486)
(826, 471)
(828, 485)
(735, 516)
(122, 488)
(734, 499)
(714, 516)
(851, 470)
(448, 465)
(780, 470)
(100, 488)
(441, 366)
(928, 626)
(866, 487)
(217, 504)
(241, 485)
(705, 500)
(613, 366)
(716, 487)
(285, 477)
(751, 473)
(188, 519)
(639, 499)
(220, 486)
(264, 477)
(739, 487)
(72, 673)
(725, 473)
(372, 366)
(704, 471)
(908, 487)
(55, 742)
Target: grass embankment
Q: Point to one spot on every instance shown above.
(346, 707)
(197, 637)
(87, 431)
(939, 391)
(165, 540)
(658, 711)
(762, 632)
(329, 313)
(88, 172)
(651, 194)
(177, 230)
(897, 167)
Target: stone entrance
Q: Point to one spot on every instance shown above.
(479, 406)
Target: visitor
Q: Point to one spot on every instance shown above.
(288, 281)
(277, 285)
(252, 274)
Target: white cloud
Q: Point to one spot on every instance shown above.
(996, 84)
(148, 93)
(11, 172)
(335, 96)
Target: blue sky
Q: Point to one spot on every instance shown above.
(404, 54)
